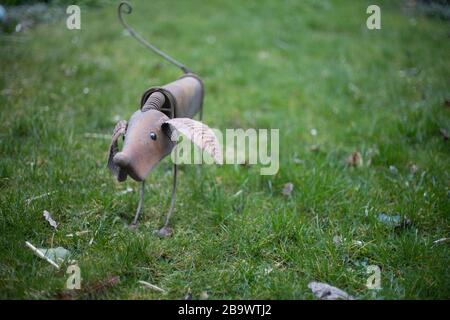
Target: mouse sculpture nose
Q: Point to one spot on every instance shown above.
(132, 165)
(122, 160)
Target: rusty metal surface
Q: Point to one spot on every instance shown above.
(185, 95)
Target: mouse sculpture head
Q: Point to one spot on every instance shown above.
(146, 142)
(150, 134)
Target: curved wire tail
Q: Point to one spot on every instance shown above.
(126, 8)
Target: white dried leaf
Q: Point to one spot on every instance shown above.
(324, 291)
(204, 295)
(50, 220)
(237, 194)
(199, 133)
(337, 240)
(288, 188)
(357, 243)
(127, 190)
(441, 240)
(55, 254)
(41, 254)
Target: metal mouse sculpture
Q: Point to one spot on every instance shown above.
(151, 132)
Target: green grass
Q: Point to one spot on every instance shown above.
(292, 65)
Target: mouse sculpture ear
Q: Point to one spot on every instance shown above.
(199, 133)
(119, 130)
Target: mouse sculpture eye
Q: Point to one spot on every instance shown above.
(152, 135)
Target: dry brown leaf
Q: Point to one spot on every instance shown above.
(101, 286)
(90, 290)
(355, 159)
(199, 133)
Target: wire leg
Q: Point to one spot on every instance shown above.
(166, 231)
(172, 200)
(141, 200)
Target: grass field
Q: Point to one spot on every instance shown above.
(292, 65)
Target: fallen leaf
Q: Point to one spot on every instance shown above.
(188, 295)
(355, 159)
(99, 287)
(50, 220)
(164, 232)
(204, 295)
(127, 190)
(41, 254)
(55, 254)
(393, 169)
(315, 148)
(337, 240)
(268, 270)
(395, 221)
(387, 219)
(237, 194)
(324, 291)
(413, 168)
(287, 188)
(358, 243)
(90, 290)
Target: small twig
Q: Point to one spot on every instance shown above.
(151, 286)
(440, 240)
(78, 233)
(38, 197)
(41, 255)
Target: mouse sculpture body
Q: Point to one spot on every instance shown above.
(151, 132)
